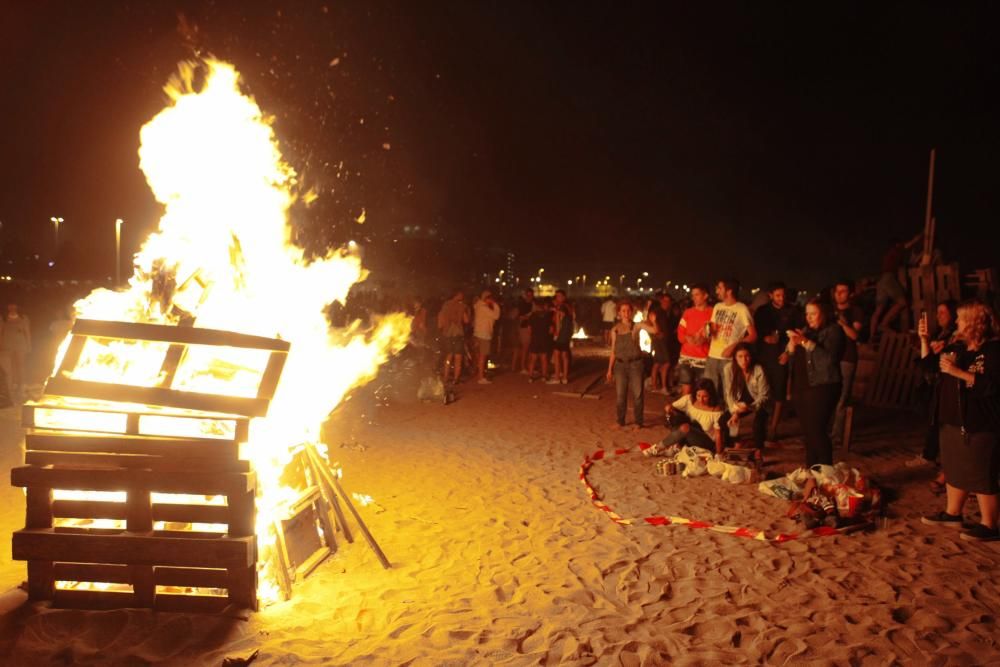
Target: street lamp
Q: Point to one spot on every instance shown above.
(621, 282)
(55, 223)
(118, 251)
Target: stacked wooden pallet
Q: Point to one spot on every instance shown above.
(897, 376)
(136, 495)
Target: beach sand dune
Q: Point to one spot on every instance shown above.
(499, 558)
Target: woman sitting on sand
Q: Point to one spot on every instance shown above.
(702, 429)
(969, 417)
(746, 391)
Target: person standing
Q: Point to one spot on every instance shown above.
(930, 351)
(626, 365)
(485, 312)
(540, 348)
(772, 321)
(664, 342)
(452, 319)
(849, 318)
(730, 325)
(519, 362)
(692, 334)
(888, 292)
(969, 417)
(563, 314)
(815, 356)
(609, 311)
(15, 346)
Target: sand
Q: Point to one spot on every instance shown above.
(498, 558)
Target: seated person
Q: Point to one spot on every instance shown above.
(746, 391)
(703, 413)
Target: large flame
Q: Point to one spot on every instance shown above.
(223, 254)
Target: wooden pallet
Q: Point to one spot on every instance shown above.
(146, 558)
(897, 376)
(174, 343)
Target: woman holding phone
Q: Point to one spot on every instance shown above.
(815, 358)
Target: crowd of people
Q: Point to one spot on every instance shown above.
(728, 362)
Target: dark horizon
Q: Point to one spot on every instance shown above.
(761, 142)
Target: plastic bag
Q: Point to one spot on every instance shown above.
(782, 487)
(695, 461)
(735, 474)
(716, 468)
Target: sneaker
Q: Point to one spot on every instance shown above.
(919, 462)
(523, 371)
(552, 381)
(980, 533)
(484, 381)
(943, 519)
(655, 450)
(564, 381)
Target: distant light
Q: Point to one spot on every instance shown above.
(645, 274)
(51, 264)
(496, 280)
(569, 282)
(352, 244)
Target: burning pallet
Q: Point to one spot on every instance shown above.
(136, 495)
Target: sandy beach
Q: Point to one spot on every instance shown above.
(499, 557)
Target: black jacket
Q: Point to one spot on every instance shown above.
(979, 406)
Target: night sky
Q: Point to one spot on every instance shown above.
(764, 141)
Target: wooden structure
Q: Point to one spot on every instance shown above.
(136, 495)
(929, 286)
(897, 376)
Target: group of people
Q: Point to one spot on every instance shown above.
(537, 331)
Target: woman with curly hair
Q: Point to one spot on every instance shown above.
(968, 413)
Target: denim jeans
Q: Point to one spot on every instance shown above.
(847, 371)
(628, 380)
(694, 437)
(713, 372)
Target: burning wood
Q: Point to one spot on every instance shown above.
(140, 393)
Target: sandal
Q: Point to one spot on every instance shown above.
(937, 488)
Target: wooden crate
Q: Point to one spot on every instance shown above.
(146, 559)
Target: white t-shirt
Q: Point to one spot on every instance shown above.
(485, 316)
(732, 324)
(707, 419)
(609, 310)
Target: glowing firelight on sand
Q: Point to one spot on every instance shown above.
(211, 158)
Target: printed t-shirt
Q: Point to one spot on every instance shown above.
(609, 310)
(732, 323)
(707, 419)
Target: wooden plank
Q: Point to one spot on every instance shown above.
(38, 508)
(242, 514)
(190, 604)
(198, 577)
(133, 415)
(72, 356)
(171, 360)
(191, 513)
(142, 584)
(106, 461)
(102, 572)
(140, 511)
(104, 600)
(242, 587)
(200, 483)
(221, 552)
(85, 441)
(41, 583)
(272, 373)
(190, 400)
(89, 509)
(174, 334)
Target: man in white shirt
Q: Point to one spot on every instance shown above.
(730, 325)
(486, 312)
(609, 313)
